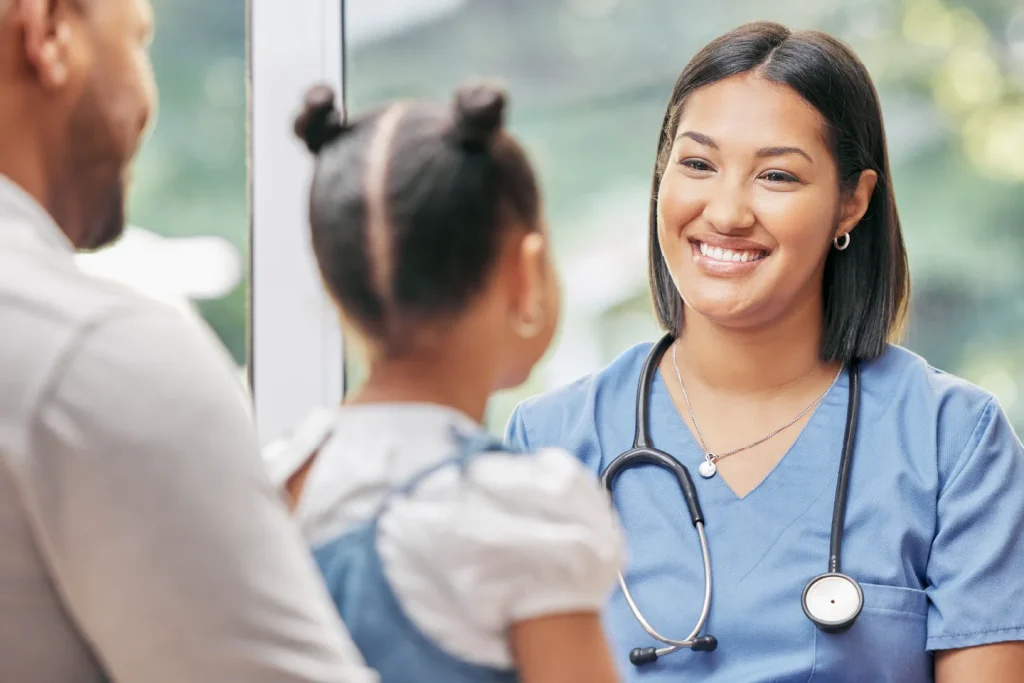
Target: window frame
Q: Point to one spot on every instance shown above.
(296, 349)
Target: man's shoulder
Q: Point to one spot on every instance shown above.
(40, 288)
(50, 307)
(69, 327)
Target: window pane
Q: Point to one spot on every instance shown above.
(190, 179)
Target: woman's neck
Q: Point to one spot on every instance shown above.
(752, 362)
(439, 378)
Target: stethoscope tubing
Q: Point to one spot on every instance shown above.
(644, 452)
(704, 612)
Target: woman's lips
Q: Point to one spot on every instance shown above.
(725, 262)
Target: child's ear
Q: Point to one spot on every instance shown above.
(527, 318)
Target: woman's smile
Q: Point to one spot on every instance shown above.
(725, 257)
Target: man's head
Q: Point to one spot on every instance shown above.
(76, 94)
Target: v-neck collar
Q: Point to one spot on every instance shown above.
(807, 471)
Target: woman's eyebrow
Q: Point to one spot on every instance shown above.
(705, 140)
(783, 151)
(779, 151)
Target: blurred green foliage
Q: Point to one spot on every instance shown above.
(590, 79)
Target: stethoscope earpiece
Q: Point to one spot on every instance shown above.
(833, 602)
(639, 656)
(705, 644)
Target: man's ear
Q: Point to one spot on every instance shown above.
(45, 32)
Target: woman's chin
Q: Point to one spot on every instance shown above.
(730, 312)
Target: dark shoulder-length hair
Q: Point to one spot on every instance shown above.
(866, 287)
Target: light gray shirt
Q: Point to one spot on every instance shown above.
(140, 537)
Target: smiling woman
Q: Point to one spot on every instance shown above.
(774, 145)
(756, 215)
(779, 274)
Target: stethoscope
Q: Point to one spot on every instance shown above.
(832, 600)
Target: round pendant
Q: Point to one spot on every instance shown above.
(707, 469)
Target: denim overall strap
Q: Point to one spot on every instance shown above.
(468, 446)
(389, 640)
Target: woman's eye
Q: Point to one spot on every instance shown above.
(778, 177)
(696, 165)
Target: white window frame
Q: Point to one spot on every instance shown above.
(296, 360)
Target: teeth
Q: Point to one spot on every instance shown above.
(719, 254)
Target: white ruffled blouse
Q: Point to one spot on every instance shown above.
(468, 554)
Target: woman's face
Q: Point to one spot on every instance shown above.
(748, 203)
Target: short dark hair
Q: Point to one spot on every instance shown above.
(866, 287)
(451, 184)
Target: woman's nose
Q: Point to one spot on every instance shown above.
(728, 208)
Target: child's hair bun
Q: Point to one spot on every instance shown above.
(320, 121)
(479, 115)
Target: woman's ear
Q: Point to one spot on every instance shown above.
(530, 262)
(855, 204)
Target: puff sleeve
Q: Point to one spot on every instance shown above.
(511, 538)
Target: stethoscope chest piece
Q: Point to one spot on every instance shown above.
(833, 602)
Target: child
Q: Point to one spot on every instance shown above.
(449, 558)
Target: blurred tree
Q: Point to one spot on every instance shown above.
(191, 177)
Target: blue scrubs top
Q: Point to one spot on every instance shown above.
(934, 527)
